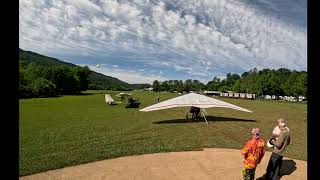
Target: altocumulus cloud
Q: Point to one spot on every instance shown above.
(182, 39)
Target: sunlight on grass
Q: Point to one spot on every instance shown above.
(70, 130)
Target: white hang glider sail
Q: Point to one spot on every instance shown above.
(124, 95)
(192, 99)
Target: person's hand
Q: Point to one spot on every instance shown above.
(272, 140)
(274, 136)
(245, 156)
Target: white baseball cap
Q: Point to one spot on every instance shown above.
(269, 145)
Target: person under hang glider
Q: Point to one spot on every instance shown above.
(193, 99)
(195, 112)
(123, 96)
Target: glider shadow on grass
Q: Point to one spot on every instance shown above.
(201, 119)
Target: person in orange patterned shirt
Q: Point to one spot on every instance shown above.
(253, 152)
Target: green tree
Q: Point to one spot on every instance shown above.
(165, 86)
(156, 85)
(237, 86)
(42, 88)
(25, 91)
(296, 84)
(171, 85)
(197, 85)
(302, 84)
(289, 85)
(81, 74)
(214, 85)
(249, 81)
(179, 85)
(188, 85)
(231, 79)
(65, 80)
(224, 88)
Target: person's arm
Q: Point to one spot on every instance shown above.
(279, 142)
(245, 150)
(261, 156)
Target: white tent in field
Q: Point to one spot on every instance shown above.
(193, 99)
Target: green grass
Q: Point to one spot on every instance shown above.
(70, 130)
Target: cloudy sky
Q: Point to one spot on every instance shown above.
(139, 41)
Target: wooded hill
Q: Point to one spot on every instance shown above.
(96, 80)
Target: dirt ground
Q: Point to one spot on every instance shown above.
(207, 164)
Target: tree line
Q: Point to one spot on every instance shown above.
(278, 82)
(46, 81)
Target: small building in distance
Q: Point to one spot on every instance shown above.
(243, 95)
(148, 89)
(212, 93)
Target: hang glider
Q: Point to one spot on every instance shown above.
(193, 99)
(108, 99)
(123, 95)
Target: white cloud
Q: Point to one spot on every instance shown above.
(181, 68)
(190, 36)
(129, 76)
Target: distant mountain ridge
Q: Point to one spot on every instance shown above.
(97, 80)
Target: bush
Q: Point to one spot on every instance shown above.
(43, 88)
(25, 91)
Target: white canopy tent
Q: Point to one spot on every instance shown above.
(193, 99)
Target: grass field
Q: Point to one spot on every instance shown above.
(70, 130)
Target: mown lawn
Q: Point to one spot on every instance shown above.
(70, 130)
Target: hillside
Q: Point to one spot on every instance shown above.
(97, 80)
